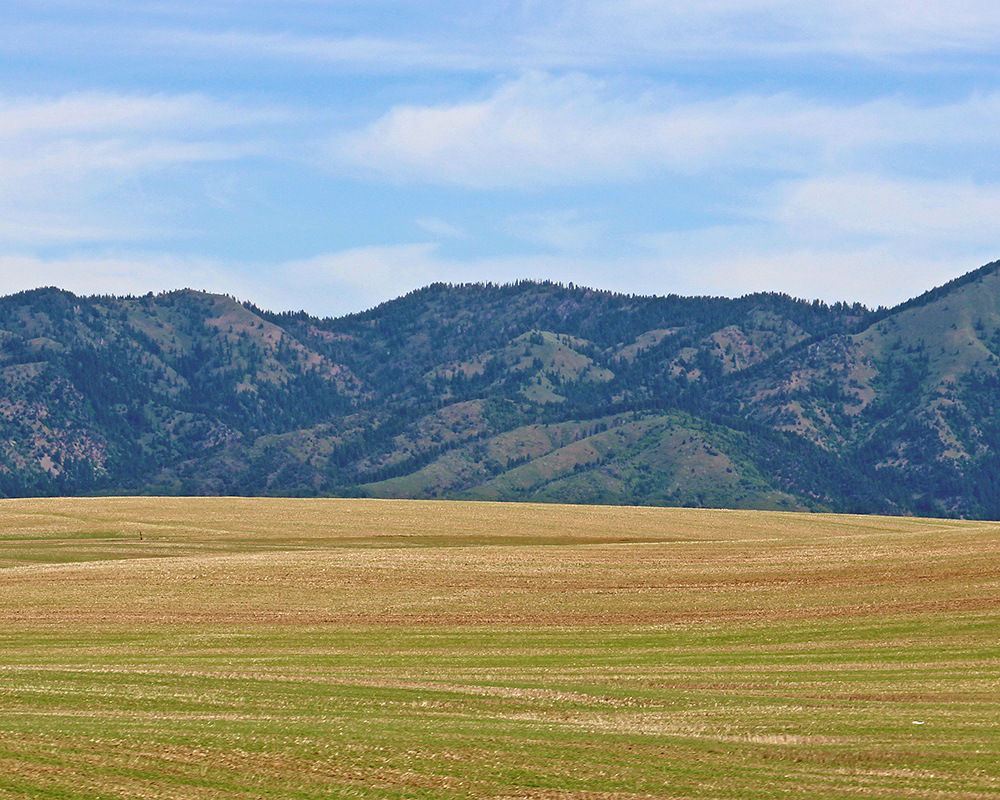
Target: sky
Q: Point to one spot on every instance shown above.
(329, 155)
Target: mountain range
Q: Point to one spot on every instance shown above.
(533, 391)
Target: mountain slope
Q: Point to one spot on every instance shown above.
(914, 395)
(525, 391)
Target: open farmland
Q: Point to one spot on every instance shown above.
(279, 648)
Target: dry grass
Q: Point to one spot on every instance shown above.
(362, 648)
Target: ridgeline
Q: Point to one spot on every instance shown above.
(528, 391)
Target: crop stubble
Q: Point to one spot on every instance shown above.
(360, 648)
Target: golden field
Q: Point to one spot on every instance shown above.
(285, 648)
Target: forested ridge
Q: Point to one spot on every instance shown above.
(526, 391)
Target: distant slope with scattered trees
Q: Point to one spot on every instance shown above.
(525, 391)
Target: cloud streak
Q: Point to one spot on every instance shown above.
(597, 34)
(544, 130)
(364, 53)
(495, 36)
(952, 214)
(60, 157)
(640, 30)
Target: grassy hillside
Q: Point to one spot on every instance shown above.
(190, 393)
(625, 459)
(250, 648)
(914, 395)
(528, 391)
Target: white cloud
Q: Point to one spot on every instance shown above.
(916, 213)
(876, 275)
(640, 30)
(578, 34)
(535, 131)
(744, 259)
(723, 260)
(441, 228)
(88, 275)
(562, 231)
(383, 271)
(61, 158)
(361, 277)
(365, 53)
(311, 285)
(540, 130)
(87, 112)
(720, 260)
(36, 226)
(80, 133)
(852, 237)
(328, 284)
(66, 161)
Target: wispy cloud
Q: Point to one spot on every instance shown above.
(596, 34)
(122, 274)
(637, 30)
(844, 237)
(440, 228)
(566, 34)
(953, 214)
(89, 112)
(356, 53)
(738, 260)
(544, 130)
(720, 260)
(567, 231)
(60, 155)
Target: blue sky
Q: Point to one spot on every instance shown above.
(329, 155)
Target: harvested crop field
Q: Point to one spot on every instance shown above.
(280, 648)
